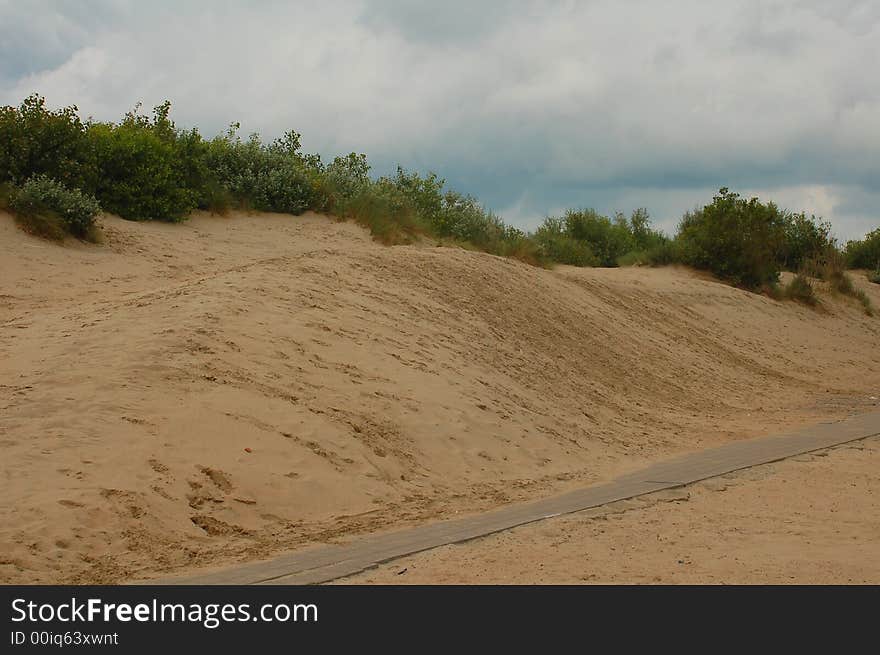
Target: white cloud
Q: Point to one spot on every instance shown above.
(531, 106)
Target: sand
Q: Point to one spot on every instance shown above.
(195, 395)
(814, 519)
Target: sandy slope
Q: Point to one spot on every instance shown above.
(197, 394)
(814, 519)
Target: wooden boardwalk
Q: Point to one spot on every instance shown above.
(325, 563)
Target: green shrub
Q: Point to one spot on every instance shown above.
(586, 238)
(874, 277)
(138, 176)
(660, 255)
(463, 218)
(216, 198)
(634, 258)
(396, 209)
(645, 238)
(864, 253)
(6, 193)
(147, 169)
(806, 240)
(607, 239)
(448, 214)
(736, 239)
(383, 209)
(50, 209)
(45, 224)
(268, 178)
(556, 245)
(801, 290)
(235, 166)
(427, 196)
(284, 187)
(663, 254)
(399, 207)
(338, 182)
(520, 246)
(34, 140)
(498, 238)
(650, 247)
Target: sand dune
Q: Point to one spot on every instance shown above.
(198, 394)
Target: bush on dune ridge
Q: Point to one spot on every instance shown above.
(143, 167)
(146, 168)
(586, 238)
(738, 240)
(398, 208)
(49, 209)
(35, 140)
(382, 208)
(275, 177)
(864, 253)
(557, 245)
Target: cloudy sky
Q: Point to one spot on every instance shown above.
(532, 107)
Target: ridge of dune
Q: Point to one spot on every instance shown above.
(197, 394)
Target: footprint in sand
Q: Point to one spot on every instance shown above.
(218, 478)
(215, 527)
(158, 466)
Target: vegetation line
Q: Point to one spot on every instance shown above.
(58, 172)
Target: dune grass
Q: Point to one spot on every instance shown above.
(801, 290)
